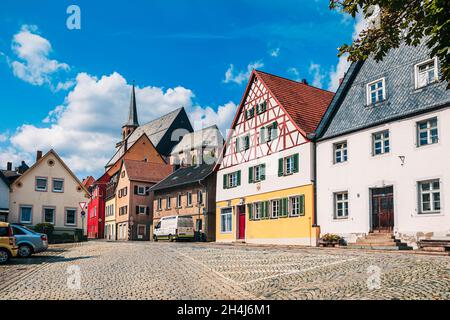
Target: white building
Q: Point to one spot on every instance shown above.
(383, 151)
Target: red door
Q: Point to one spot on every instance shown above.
(241, 211)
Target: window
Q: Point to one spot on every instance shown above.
(429, 196)
(189, 199)
(380, 143)
(257, 173)
(246, 142)
(341, 205)
(268, 133)
(159, 206)
(141, 231)
(232, 180)
(179, 201)
(426, 73)
(297, 206)
(41, 184)
(340, 152)
(58, 185)
(275, 208)
(376, 91)
(141, 209)
(26, 213)
(168, 202)
(257, 209)
(140, 190)
(250, 113)
(261, 107)
(199, 197)
(288, 165)
(49, 215)
(123, 210)
(427, 132)
(71, 216)
(226, 220)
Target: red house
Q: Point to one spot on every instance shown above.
(96, 208)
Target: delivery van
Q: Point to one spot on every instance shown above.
(174, 228)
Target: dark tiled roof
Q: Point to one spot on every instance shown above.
(304, 103)
(146, 171)
(185, 176)
(349, 111)
(10, 176)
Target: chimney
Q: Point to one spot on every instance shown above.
(38, 155)
(304, 81)
(9, 166)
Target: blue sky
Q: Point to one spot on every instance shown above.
(191, 53)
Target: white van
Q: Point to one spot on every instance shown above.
(174, 228)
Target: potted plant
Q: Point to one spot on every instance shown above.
(330, 240)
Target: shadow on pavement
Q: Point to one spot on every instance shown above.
(44, 259)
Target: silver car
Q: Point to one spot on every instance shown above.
(29, 241)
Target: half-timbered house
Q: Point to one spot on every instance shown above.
(265, 191)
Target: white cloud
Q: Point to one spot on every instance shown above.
(275, 52)
(294, 71)
(3, 137)
(316, 72)
(343, 64)
(33, 64)
(243, 75)
(86, 127)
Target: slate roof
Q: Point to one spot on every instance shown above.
(132, 115)
(155, 130)
(304, 103)
(3, 178)
(10, 176)
(349, 111)
(207, 137)
(146, 171)
(184, 176)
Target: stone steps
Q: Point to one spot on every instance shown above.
(379, 241)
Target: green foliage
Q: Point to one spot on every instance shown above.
(410, 21)
(46, 228)
(329, 237)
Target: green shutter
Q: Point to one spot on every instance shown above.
(262, 134)
(225, 181)
(239, 178)
(275, 130)
(250, 175)
(250, 212)
(296, 162)
(302, 205)
(280, 167)
(266, 204)
(237, 144)
(264, 106)
(247, 142)
(284, 207)
(263, 172)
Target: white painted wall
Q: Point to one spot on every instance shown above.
(272, 182)
(363, 171)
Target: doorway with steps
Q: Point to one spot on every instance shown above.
(382, 210)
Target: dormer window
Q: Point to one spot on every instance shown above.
(376, 91)
(426, 73)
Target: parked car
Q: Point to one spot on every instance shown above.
(174, 228)
(8, 247)
(29, 241)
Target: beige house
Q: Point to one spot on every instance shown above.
(48, 192)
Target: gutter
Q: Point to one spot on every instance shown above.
(312, 137)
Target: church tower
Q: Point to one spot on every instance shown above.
(132, 122)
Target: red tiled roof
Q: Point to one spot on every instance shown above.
(89, 181)
(147, 171)
(304, 103)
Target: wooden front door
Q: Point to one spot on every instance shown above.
(383, 209)
(241, 219)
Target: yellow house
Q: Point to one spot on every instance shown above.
(49, 192)
(265, 190)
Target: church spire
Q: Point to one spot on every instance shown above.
(132, 116)
(132, 122)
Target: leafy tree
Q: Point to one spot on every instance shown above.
(400, 20)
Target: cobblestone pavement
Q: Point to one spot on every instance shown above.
(138, 270)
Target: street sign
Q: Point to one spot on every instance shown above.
(82, 205)
(83, 213)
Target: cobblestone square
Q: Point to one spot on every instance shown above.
(148, 270)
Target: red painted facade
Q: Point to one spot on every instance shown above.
(96, 208)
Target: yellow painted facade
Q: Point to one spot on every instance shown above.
(286, 230)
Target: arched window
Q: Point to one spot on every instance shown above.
(194, 160)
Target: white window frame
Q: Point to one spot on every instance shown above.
(66, 220)
(189, 199)
(31, 214)
(369, 91)
(343, 201)
(428, 130)
(289, 168)
(294, 206)
(46, 184)
(168, 202)
(344, 152)
(275, 208)
(416, 73)
(53, 185)
(382, 141)
(179, 200)
(142, 207)
(159, 204)
(232, 179)
(43, 214)
(139, 189)
(431, 192)
(228, 227)
(257, 210)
